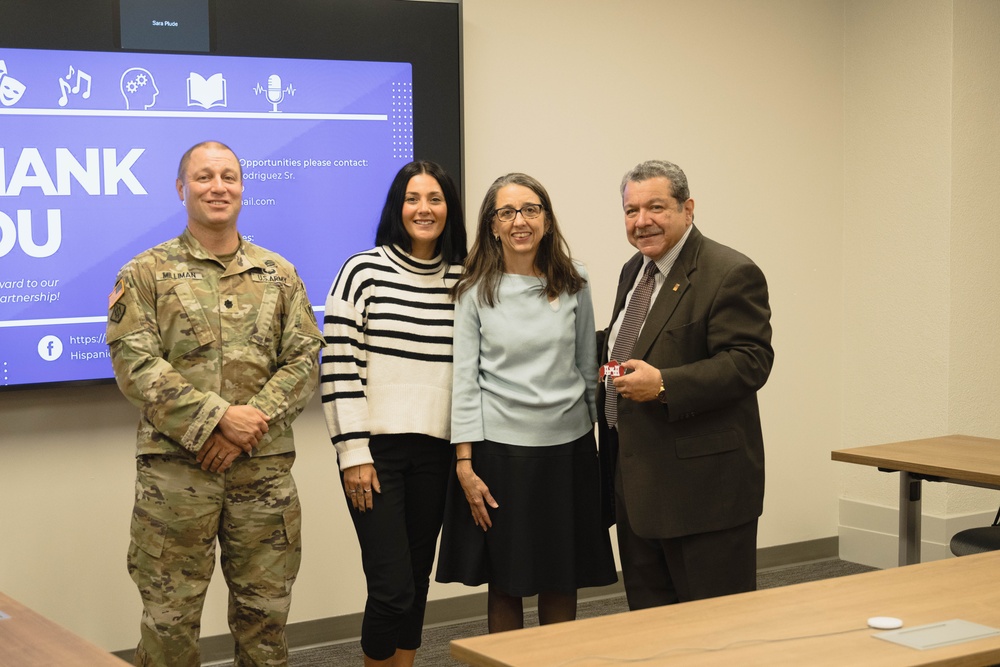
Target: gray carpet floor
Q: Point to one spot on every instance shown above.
(435, 649)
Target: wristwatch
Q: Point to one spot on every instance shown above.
(662, 395)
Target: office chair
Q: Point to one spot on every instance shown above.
(977, 540)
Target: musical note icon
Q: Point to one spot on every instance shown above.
(85, 77)
(65, 89)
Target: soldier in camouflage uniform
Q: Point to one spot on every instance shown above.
(215, 341)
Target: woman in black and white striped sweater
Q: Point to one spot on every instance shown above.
(386, 387)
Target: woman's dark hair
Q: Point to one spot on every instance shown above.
(451, 244)
(484, 266)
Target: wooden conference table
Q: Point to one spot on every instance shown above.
(958, 459)
(28, 639)
(820, 624)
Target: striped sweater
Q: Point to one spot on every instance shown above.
(387, 365)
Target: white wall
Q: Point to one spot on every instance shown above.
(749, 97)
(920, 232)
(974, 379)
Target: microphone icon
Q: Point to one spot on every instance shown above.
(274, 92)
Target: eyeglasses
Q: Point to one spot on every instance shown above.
(528, 212)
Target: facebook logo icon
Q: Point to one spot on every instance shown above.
(50, 348)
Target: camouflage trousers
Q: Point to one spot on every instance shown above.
(180, 511)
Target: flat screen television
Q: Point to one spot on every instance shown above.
(322, 100)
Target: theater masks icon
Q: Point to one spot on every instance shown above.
(11, 89)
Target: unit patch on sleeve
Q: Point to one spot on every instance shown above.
(117, 312)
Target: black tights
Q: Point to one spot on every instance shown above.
(506, 612)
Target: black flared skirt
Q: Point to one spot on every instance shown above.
(546, 534)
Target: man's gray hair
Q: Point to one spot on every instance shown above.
(660, 169)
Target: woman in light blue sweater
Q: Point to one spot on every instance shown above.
(523, 412)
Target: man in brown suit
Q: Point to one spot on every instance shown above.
(680, 427)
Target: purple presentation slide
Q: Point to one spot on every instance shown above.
(89, 147)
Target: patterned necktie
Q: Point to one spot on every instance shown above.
(635, 314)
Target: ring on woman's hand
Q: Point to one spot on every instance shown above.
(368, 490)
(353, 492)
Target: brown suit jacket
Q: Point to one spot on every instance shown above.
(695, 464)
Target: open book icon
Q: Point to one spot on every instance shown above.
(206, 93)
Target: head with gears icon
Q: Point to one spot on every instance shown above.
(138, 88)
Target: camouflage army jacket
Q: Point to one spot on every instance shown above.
(189, 337)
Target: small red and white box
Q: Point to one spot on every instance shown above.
(612, 369)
